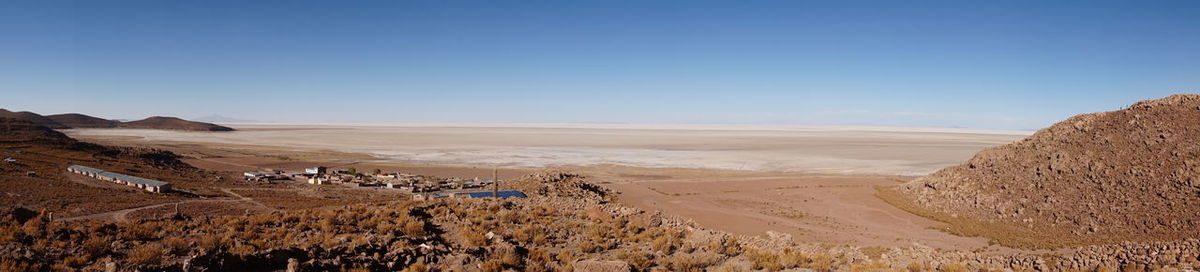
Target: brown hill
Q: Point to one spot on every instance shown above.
(36, 177)
(32, 117)
(17, 131)
(161, 122)
(75, 120)
(1131, 174)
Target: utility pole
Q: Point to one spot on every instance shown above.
(495, 183)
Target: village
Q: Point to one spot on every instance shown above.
(421, 187)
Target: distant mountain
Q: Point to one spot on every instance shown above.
(32, 117)
(76, 120)
(216, 118)
(162, 122)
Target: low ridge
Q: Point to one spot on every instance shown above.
(76, 120)
(162, 122)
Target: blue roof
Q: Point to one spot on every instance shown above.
(503, 194)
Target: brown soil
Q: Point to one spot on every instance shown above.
(825, 209)
(1127, 175)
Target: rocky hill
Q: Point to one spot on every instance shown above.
(31, 117)
(1131, 174)
(162, 122)
(75, 120)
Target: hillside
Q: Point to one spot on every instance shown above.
(32, 117)
(76, 120)
(1131, 174)
(161, 122)
(36, 178)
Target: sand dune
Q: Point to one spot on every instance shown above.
(816, 149)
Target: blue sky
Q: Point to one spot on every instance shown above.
(983, 64)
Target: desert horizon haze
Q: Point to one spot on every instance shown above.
(600, 136)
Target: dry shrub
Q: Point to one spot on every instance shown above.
(871, 267)
(34, 227)
(955, 267)
(915, 267)
(146, 254)
(638, 259)
(822, 262)
(177, 246)
(472, 237)
(732, 265)
(765, 260)
(414, 228)
(491, 266)
(72, 262)
(567, 259)
(793, 258)
(139, 232)
(691, 262)
(209, 243)
(729, 247)
(525, 234)
(15, 265)
(668, 242)
(96, 246)
(538, 260)
(510, 258)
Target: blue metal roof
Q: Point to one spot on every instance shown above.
(502, 193)
(122, 177)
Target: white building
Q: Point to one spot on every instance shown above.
(315, 170)
(131, 181)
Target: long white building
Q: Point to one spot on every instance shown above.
(131, 181)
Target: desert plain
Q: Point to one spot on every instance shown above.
(814, 183)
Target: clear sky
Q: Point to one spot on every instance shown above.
(983, 64)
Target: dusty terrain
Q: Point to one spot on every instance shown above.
(839, 150)
(823, 209)
(838, 209)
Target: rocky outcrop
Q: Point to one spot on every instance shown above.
(1131, 174)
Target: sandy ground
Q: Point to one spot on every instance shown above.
(824, 209)
(836, 150)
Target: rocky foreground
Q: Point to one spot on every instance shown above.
(567, 225)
